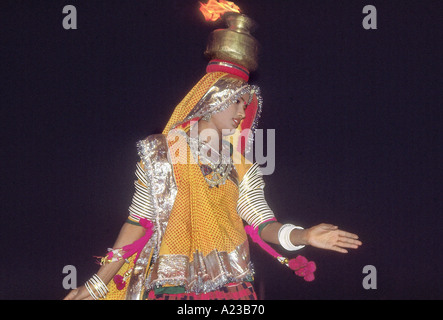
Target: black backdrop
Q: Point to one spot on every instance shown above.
(356, 113)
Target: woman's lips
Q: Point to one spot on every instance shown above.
(236, 121)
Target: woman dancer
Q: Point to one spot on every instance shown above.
(196, 187)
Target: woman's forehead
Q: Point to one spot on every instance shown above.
(245, 97)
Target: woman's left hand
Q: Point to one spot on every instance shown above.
(330, 237)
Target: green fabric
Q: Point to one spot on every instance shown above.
(169, 290)
(178, 289)
(133, 222)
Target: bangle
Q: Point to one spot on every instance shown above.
(284, 237)
(91, 292)
(100, 287)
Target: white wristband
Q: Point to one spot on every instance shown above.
(284, 237)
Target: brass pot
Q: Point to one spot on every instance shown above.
(235, 43)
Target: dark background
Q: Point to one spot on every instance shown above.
(357, 115)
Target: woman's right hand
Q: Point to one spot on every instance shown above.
(128, 234)
(80, 293)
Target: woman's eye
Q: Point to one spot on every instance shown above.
(238, 101)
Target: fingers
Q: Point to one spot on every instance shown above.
(350, 240)
(347, 234)
(79, 294)
(341, 233)
(342, 246)
(339, 249)
(346, 244)
(328, 226)
(346, 240)
(71, 295)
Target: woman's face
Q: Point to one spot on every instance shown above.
(228, 120)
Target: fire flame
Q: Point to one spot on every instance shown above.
(214, 9)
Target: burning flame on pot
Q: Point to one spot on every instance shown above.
(214, 9)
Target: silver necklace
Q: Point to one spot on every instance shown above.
(215, 167)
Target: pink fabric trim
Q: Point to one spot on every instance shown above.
(135, 247)
(138, 245)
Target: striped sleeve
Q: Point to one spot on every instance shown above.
(252, 206)
(141, 206)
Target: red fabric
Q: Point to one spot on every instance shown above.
(219, 68)
(250, 114)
